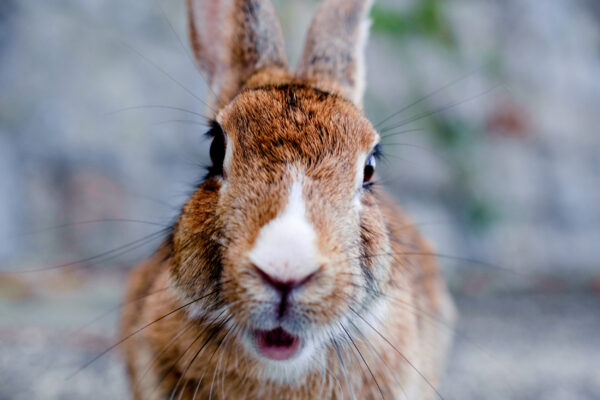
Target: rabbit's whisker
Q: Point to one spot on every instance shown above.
(219, 344)
(432, 319)
(210, 392)
(398, 133)
(333, 375)
(399, 353)
(427, 149)
(101, 257)
(157, 356)
(428, 96)
(157, 106)
(440, 255)
(182, 121)
(217, 329)
(363, 359)
(129, 336)
(174, 364)
(342, 364)
(122, 305)
(118, 307)
(211, 325)
(345, 345)
(441, 109)
(366, 340)
(184, 49)
(457, 333)
(88, 222)
(163, 71)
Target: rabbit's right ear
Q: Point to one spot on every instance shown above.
(233, 40)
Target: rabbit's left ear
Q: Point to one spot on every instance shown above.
(333, 55)
(233, 40)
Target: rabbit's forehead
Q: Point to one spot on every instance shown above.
(292, 122)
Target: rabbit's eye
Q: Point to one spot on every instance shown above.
(217, 149)
(369, 170)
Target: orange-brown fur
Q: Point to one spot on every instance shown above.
(279, 126)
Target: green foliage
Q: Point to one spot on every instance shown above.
(450, 133)
(480, 213)
(453, 136)
(390, 21)
(424, 18)
(457, 138)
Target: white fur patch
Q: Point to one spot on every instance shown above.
(358, 179)
(286, 246)
(360, 170)
(228, 156)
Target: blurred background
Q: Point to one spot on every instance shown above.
(490, 113)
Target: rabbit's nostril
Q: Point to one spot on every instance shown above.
(280, 285)
(284, 288)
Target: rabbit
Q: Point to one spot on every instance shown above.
(288, 274)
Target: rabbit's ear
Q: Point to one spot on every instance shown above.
(333, 55)
(234, 39)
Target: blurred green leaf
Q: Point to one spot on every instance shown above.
(425, 18)
(429, 16)
(480, 214)
(451, 133)
(389, 21)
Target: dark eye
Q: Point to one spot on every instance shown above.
(369, 170)
(217, 149)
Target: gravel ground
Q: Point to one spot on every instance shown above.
(535, 346)
(526, 347)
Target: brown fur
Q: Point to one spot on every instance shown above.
(192, 304)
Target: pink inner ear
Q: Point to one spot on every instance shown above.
(211, 20)
(209, 24)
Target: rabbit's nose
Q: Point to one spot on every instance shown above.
(286, 248)
(281, 285)
(284, 288)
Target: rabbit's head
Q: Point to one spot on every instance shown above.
(284, 238)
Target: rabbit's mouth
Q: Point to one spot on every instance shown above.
(277, 344)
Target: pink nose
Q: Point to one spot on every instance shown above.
(284, 288)
(281, 285)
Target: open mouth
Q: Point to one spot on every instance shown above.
(277, 344)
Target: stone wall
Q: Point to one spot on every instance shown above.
(504, 178)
